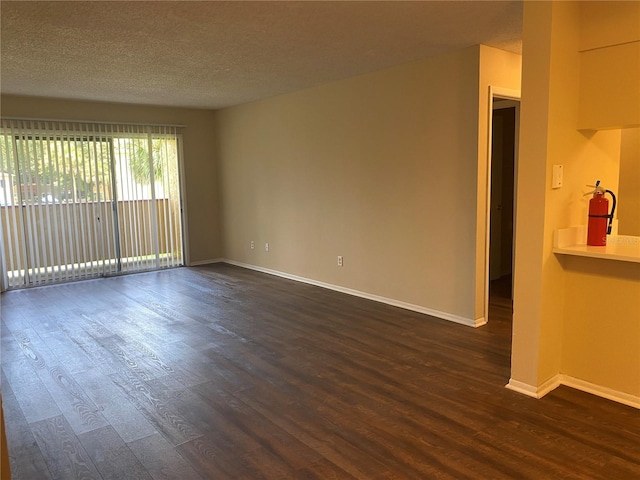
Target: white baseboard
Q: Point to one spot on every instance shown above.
(569, 381)
(523, 388)
(599, 390)
(376, 298)
(533, 391)
(549, 385)
(206, 262)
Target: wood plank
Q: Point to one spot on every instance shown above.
(63, 453)
(221, 372)
(322, 470)
(162, 461)
(189, 366)
(115, 406)
(35, 400)
(78, 409)
(112, 456)
(154, 408)
(70, 356)
(25, 456)
(9, 346)
(210, 461)
(241, 434)
(326, 438)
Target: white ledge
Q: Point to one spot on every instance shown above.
(572, 241)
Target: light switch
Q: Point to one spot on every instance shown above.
(556, 180)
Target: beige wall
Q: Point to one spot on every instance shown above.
(629, 187)
(200, 172)
(530, 193)
(601, 338)
(380, 168)
(610, 64)
(549, 328)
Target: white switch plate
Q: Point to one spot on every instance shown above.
(556, 180)
(340, 263)
(253, 244)
(266, 247)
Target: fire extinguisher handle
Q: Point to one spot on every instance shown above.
(613, 209)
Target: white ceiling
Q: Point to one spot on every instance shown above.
(216, 54)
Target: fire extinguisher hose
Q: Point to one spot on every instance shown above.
(613, 209)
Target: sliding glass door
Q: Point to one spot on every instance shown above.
(87, 200)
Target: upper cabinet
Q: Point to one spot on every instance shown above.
(609, 65)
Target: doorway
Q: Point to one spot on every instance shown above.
(504, 123)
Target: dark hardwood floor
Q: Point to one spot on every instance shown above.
(223, 373)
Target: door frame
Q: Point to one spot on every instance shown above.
(515, 96)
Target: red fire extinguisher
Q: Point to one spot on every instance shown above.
(599, 217)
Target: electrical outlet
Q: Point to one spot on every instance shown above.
(340, 262)
(266, 247)
(253, 244)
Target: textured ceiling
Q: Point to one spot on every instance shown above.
(216, 54)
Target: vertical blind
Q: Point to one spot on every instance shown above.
(80, 200)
